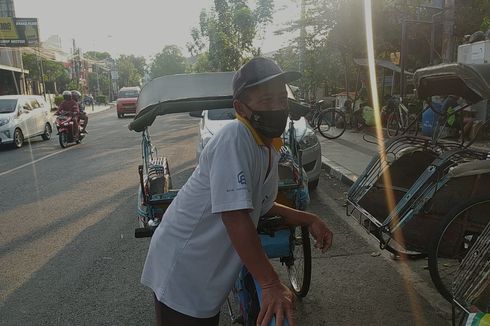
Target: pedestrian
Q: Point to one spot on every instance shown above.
(209, 231)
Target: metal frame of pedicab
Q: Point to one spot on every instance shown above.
(207, 91)
(427, 173)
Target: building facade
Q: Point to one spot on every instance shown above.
(12, 74)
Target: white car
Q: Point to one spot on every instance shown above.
(23, 117)
(214, 120)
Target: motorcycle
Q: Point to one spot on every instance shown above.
(66, 132)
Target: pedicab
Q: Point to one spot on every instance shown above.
(426, 196)
(209, 91)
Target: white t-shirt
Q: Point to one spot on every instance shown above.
(191, 264)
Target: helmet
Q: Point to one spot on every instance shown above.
(76, 95)
(67, 95)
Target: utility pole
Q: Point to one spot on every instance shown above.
(76, 63)
(448, 31)
(302, 46)
(41, 70)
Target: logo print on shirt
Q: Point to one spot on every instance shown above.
(265, 198)
(241, 178)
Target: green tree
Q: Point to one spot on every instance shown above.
(96, 55)
(98, 80)
(332, 34)
(131, 70)
(54, 73)
(168, 62)
(472, 16)
(103, 82)
(202, 63)
(227, 31)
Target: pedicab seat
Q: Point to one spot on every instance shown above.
(470, 168)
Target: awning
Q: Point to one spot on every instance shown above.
(14, 69)
(384, 64)
(470, 81)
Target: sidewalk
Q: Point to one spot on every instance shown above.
(89, 109)
(346, 157)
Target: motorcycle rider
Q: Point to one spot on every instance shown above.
(83, 115)
(70, 106)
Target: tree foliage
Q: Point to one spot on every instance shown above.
(131, 70)
(98, 80)
(96, 55)
(52, 71)
(168, 62)
(225, 36)
(471, 16)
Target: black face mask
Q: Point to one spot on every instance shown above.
(270, 124)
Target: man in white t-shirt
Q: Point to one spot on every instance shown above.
(209, 231)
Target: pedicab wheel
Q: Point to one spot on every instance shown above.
(392, 125)
(331, 123)
(299, 269)
(253, 305)
(456, 234)
(63, 138)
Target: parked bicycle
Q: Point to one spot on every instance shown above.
(329, 122)
(400, 120)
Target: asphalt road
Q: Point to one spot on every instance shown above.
(68, 255)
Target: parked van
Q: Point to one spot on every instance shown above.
(126, 100)
(23, 117)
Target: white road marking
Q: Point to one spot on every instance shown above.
(33, 162)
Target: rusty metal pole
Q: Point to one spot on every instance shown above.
(448, 31)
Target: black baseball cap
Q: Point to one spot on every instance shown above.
(257, 71)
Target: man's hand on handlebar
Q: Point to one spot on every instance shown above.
(278, 301)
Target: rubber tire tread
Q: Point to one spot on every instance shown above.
(320, 118)
(447, 220)
(305, 287)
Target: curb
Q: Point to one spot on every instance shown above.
(89, 111)
(339, 172)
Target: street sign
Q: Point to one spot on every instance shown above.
(114, 75)
(18, 32)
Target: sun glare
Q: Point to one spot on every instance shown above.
(390, 198)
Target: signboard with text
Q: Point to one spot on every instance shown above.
(18, 32)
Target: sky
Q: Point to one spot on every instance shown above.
(140, 27)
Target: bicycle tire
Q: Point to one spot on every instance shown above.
(301, 262)
(438, 262)
(253, 305)
(392, 125)
(311, 118)
(412, 125)
(331, 123)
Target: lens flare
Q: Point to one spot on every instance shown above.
(390, 198)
